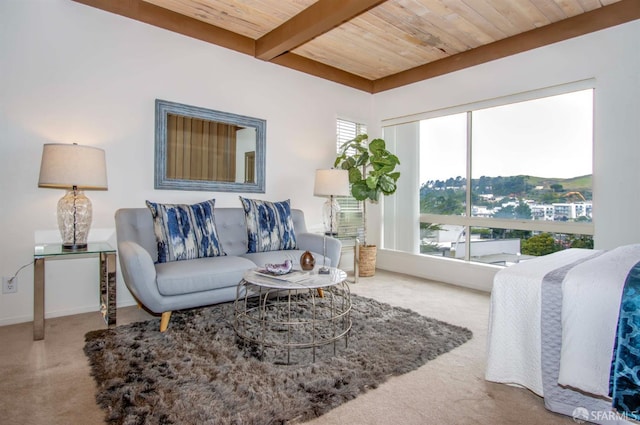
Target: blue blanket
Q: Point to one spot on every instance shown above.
(624, 383)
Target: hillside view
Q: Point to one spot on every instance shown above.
(448, 196)
(513, 197)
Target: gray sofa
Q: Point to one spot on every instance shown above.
(164, 287)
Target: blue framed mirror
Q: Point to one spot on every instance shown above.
(203, 149)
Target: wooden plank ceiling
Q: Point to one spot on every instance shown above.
(377, 45)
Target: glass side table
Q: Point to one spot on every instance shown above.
(107, 294)
(352, 242)
(349, 242)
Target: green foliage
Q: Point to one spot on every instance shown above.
(448, 196)
(482, 231)
(429, 248)
(581, 241)
(541, 244)
(523, 211)
(580, 184)
(530, 187)
(557, 187)
(449, 202)
(371, 168)
(496, 233)
(520, 212)
(549, 198)
(427, 230)
(510, 186)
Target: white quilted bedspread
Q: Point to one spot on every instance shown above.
(514, 344)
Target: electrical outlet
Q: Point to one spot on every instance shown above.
(9, 285)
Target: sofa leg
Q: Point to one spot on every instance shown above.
(164, 321)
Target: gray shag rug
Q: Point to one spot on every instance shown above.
(199, 372)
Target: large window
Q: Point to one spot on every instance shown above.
(506, 180)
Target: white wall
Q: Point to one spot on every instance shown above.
(612, 57)
(72, 73)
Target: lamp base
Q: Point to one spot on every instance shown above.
(74, 247)
(330, 210)
(324, 270)
(74, 220)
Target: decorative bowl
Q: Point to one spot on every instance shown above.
(279, 269)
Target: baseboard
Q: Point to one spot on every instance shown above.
(60, 313)
(15, 320)
(454, 272)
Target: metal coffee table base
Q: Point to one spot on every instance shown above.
(293, 318)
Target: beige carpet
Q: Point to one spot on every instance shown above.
(48, 382)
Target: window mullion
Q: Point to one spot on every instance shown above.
(467, 227)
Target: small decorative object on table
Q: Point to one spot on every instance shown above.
(307, 262)
(279, 269)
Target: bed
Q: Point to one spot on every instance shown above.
(554, 329)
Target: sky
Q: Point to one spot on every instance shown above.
(548, 137)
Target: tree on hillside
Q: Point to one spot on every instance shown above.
(449, 202)
(557, 187)
(549, 198)
(541, 244)
(523, 211)
(483, 185)
(509, 233)
(581, 241)
(520, 212)
(505, 212)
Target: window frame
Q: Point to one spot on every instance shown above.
(468, 221)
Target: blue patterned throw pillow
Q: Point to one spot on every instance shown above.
(185, 232)
(269, 225)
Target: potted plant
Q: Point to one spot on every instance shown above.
(371, 174)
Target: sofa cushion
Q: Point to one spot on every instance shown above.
(269, 225)
(185, 232)
(203, 274)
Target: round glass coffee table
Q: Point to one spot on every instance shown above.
(297, 310)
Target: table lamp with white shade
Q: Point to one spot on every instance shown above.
(75, 168)
(330, 183)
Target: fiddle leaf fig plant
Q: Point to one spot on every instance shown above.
(371, 169)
